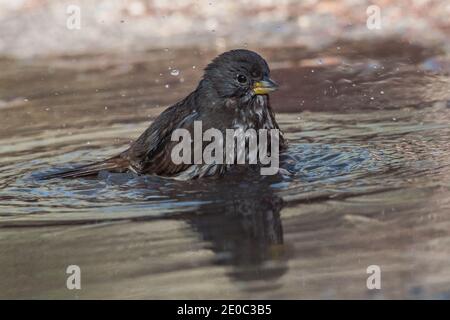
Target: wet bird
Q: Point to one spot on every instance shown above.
(233, 93)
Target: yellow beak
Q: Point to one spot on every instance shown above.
(264, 86)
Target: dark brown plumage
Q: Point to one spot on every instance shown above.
(233, 93)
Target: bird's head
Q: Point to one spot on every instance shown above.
(239, 74)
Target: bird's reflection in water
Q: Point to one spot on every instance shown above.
(245, 232)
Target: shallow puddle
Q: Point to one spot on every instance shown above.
(365, 181)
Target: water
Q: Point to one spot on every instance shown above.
(365, 181)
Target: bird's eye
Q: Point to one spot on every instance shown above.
(241, 78)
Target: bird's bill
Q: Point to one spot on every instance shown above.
(264, 86)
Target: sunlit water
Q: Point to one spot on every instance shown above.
(365, 180)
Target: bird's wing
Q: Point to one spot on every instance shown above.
(151, 152)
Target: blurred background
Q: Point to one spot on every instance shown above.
(38, 27)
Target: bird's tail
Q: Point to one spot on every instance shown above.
(116, 164)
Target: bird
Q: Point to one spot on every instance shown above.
(233, 93)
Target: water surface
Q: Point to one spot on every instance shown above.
(365, 181)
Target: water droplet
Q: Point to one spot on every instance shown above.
(381, 92)
(167, 86)
(175, 72)
(193, 67)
